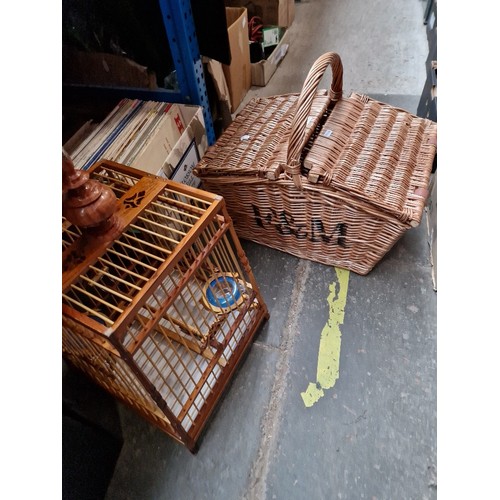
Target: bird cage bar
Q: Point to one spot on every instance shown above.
(161, 315)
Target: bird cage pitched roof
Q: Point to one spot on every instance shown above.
(106, 281)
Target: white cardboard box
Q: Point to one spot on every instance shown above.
(161, 142)
(188, 150)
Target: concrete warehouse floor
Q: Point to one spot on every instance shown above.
(276, 433)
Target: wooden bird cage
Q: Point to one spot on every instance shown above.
(158, 307)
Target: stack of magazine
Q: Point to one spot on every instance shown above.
(136, 133)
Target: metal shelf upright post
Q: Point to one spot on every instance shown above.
(181, 33)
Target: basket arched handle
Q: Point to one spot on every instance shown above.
(297, 138)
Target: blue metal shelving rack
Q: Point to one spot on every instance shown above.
(181, 33)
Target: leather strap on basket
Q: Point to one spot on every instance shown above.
(297, 137)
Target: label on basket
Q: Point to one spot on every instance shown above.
(327, 133)
(285, 224)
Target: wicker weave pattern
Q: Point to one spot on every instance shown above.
(259, 137)
(313, 223)
(377, 152)
(332, 179)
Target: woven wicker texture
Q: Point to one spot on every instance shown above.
(332, 179)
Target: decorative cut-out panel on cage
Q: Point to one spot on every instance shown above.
(161, 313)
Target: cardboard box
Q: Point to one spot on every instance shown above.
(277, 12)
(96, 68)
(188, 150)
(262, 71)
(176, 163)
(431, 210)
(218, 95)
(291, 12)
(159, 143)
(237, 74)
(172, 151)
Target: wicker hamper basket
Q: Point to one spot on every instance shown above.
(331, 179)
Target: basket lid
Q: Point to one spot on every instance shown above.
(376, 153)
(255, 143)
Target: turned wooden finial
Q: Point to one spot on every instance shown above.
(87, 203)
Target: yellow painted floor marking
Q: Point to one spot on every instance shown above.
(329, 344)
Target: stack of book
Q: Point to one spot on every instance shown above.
(136, 133)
